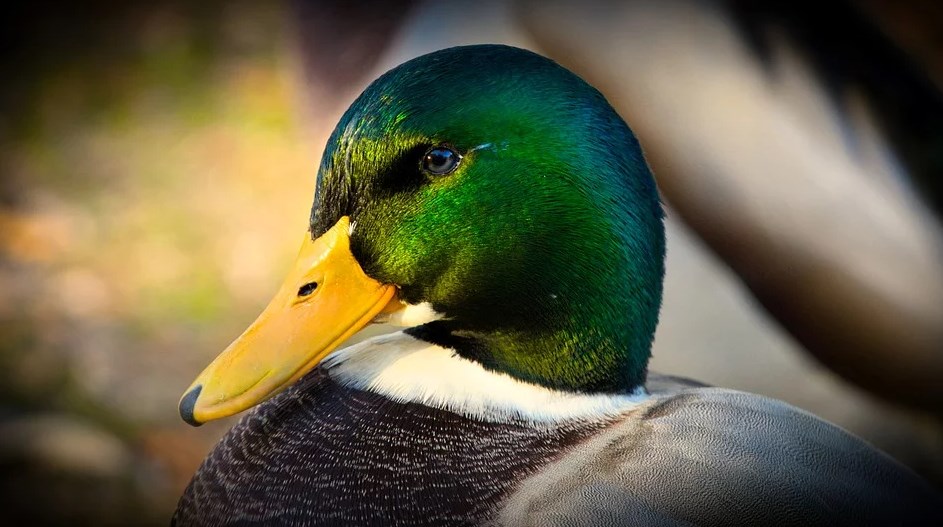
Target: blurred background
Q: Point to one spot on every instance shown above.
(157, 164)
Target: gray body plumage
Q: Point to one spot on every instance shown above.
(710, 456)
(324, 454)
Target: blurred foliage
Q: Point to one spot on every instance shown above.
(127, 138)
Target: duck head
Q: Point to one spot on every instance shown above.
(492, 185)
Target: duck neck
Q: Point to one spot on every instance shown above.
(598, 346)
(574, 309)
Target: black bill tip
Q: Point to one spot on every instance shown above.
(187, 404)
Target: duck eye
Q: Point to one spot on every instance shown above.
(440, 160)
(307, 289)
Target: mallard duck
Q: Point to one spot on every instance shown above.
(496, 207)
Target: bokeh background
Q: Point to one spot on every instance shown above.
(157, 163)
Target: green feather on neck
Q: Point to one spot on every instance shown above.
(544, 248)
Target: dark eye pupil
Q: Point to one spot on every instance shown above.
(440, 160)
(307, 289)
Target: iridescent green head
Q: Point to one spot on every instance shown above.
(506, 192)
(494, 185)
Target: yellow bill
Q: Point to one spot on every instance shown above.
(325, 299)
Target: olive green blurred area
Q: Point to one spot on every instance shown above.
(154, 176)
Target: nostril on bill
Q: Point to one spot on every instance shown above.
(307, 289)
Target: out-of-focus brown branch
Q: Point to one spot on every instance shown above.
(340, 43)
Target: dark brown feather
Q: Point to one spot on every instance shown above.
(324, 454)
